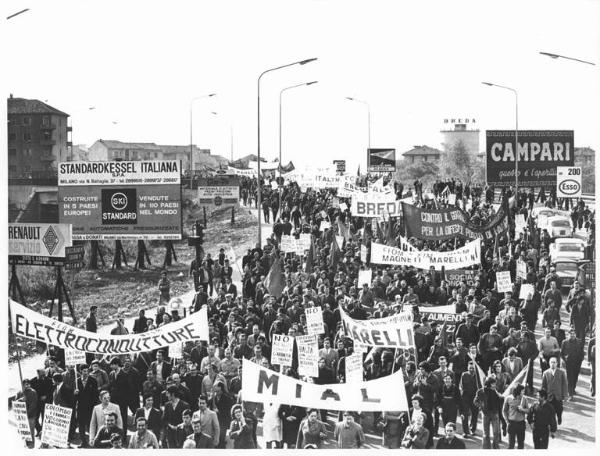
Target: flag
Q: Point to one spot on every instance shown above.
(275, 280)
(380, 234)
(521, 378)
(445, 192)
(390, 233)
(480, 374)
(334, 254)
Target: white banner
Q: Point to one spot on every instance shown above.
(365, 276)
(521, 269)
(526, 291)
(283, 347)
(176, 351)
(395, 331)
(241, 172)
(347, 186)
(55, 430)
(19, 409)
(39, 239)
(263, 385)
(30, 324)
(363, 253)
(504, 282)
(405, 245)
(288, 243)
(463, 257)
(354, 368)
(74, 357)
(308, 355)
(314, 320)
(375, 204)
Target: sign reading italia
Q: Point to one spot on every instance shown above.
(540, 152)
(121, 200)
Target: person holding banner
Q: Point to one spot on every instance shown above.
(515, 411)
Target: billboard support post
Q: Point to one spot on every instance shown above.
(119, 254)
(14, 287)
(95, 252)
(59, 290)
(170, 254)
(142, 253)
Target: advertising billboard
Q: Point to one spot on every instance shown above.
(540, 152)
(38, 244)
(381, 160)
(121, 200)
(219, 191)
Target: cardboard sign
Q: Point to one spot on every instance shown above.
(308, 351)
(451, 199)
(281, 352)
(521, 269)
(288, 244)
(314, 320)
(263, 385)
(504, 282)
(363, 253)
(55, 430)
(324, 225)
(340, 241)
(343, 206)
(74, 357)
(20, 413)
(354, 368)
(519, 223)
(176, 351)
(526, 290)
(568, 181)
(365, 276)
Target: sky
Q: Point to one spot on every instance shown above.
(139, 63)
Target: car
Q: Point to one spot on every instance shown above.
(567, 272)
(567, 248)
(559, 226)
(540, 215)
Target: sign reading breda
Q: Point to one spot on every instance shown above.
(121, 200)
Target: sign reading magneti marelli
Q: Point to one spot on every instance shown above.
(33, 325)
(540, 152)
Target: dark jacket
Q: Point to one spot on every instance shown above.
(87, 395)
(154, 422)
(488, 400)
(542, 417)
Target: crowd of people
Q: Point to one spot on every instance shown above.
(453, 372)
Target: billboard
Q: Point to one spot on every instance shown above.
(381, 160)
(340, 166)
(121, 200)
(219, 191)
(38, 244)
(540, 152)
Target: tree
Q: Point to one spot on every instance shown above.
(407, 172)
(458, 163)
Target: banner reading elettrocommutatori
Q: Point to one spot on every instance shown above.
(260, 384)
(395, 331)
(463, 257)
(30, 324)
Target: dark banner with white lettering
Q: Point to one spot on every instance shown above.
(540, 152)
(451, 222)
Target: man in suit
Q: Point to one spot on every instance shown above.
(161, 368)
(572, 353)
(43, 386)
(86, 395)
(119, 389)
(64, 396)
(554, 381)
(209, 423)
(173, 416)
(230, 288)
(152, 415)
(512, 363)
(140, 324)
(100, 412)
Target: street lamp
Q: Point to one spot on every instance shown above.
(191, 128)
(368, 116)
(17, 13)
(558, 56)
(516, 131)
(280, 98)
(259, 192)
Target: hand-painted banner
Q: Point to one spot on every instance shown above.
(30, 324)
(442, 314)
(282, 350)
(74, 357)
(263, 385)
(463, 257)
(374, 204)
(448, 223)
(308, 355)
(455, 278)
(504, 282)
(395, 331)
(55, 430)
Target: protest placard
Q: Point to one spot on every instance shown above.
(55, 430)
(527, 290)
(343, 206)
(504, 282)
(521, 269)
(314, 320)
(281, 352)
(340, 241)
(363, 253)
(354, 368)
(20, 413)
(365, 276)
(308, 359)
(324, 225)
(176, 351)
(74, 357)
(288, 243)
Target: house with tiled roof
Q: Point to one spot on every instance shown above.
(422, 153)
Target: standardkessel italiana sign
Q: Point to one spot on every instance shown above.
(121, 200)
(38, 244)
(540, 152)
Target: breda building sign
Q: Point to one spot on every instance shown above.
(121, 200)
(540, 153)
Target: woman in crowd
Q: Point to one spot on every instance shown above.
(312, 431)
(416, 435)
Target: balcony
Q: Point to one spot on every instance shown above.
(47, 158)
(49, 126)
(69, 128)
(47, 142)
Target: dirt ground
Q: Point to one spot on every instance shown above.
(123, 292)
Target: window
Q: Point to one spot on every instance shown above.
(12, 136)
(46, 121)
(26, 136)
(12, 152)
(47, 135)
(26, 120)
(12, 169)
(27, 152)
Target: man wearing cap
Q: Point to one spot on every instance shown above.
(554, 294)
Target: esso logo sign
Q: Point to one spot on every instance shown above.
(118, 201)
(569, 187)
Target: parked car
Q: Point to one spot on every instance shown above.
(559, 226)
(540, 215)
(567, 248)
